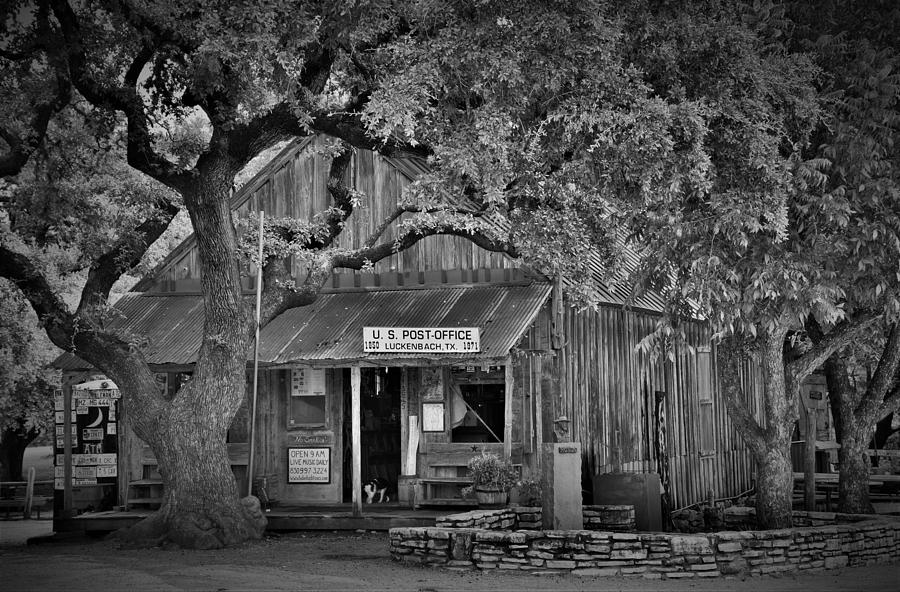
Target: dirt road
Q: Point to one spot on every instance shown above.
(336, 561)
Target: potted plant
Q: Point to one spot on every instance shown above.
(492, 478)
(526, 492)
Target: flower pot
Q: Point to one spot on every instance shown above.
(490, 498)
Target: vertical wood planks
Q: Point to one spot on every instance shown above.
(608, 393)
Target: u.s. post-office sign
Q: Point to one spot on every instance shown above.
(421, 340)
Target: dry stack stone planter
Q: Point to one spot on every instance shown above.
(819, 540)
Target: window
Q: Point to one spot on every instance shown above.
(308, 400)
(483, 406)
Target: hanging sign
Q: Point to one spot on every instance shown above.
(421, 340)
(309, 465)
(307, 382)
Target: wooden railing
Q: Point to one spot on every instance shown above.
(19, 495)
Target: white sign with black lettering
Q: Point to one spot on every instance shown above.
(422, 340)
(309, 465)
(84, 460)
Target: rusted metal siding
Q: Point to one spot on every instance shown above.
(607, 389)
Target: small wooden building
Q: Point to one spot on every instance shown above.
(454, 350)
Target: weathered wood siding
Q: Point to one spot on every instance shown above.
(607, 391)
(274, 437)
(294, 185)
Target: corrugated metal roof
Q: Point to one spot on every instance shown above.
(172, 326)
(66, 361)
(331, 328)
(329, 331)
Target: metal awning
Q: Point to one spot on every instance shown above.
(329, 332)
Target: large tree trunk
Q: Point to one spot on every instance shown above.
(770, 446)
(853, 488)
(202, 507)
(12, 452)
(774, 487)
(857, 413)
(853, 461)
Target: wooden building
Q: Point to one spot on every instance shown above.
(433, 355)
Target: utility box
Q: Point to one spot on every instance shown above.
(561, 487)
(641, 490)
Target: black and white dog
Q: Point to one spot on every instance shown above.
(376, 487)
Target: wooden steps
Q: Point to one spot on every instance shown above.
(144, 494)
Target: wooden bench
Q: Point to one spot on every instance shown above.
(147, 492)
(17, 503)
(827, 483)
(444, 471)
(441, 476)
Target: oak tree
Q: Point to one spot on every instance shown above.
(797, 224)
(506, 101)
(571, 120)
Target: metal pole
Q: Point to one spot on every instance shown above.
(259, 280)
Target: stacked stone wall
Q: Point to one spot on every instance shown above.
(600, 517)
(846, 541)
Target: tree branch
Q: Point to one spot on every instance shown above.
(400, 210)
(49, 307)
(369, 255)
(21, 149)
(830, 342)
(141, 154)
(891, 400)
(280, 293)
(347, 126)
(340, 194)
(730, 356)
(879, 385)
(76, 333)
(124, 255)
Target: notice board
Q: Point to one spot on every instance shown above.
(309, 465)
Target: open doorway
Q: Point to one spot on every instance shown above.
(380, 428)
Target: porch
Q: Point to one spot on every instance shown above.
(380, 517)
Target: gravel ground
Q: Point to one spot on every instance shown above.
(335, 561)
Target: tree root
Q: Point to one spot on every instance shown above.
(227, 527)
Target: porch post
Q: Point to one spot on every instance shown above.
(67, 447)
(809, 459)
(356, 438)
(508, 409)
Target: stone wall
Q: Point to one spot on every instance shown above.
(847, 540)
(602, 517)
